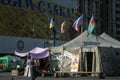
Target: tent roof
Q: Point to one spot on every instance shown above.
(37, 52)
(78, 41)
(7, 56)
(14, 58)
(94, 40)
(75, 43)
(109, 38)
(84, 41)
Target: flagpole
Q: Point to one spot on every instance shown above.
(82, 25)
(63, 37)
(54, 31)
(81, 29)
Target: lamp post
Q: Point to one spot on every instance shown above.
(53, 35)
(54, 38)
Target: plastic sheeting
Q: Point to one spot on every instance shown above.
(35, 53)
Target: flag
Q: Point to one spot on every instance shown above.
(91, 25)
(62, 27)
(52, 23)
(77, 23)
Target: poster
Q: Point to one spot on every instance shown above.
(75, 63)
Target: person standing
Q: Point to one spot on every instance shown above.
(28, 68)
(33, 70)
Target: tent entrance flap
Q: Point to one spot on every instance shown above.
(88, 61)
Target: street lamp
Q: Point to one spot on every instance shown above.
(53, 35)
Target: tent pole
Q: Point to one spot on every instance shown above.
(81, 64)
(62, 58)
(79, 60)
(81, 29)
(50, 59)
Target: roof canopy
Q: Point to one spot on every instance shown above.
(35, 53)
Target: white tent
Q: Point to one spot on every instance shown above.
(97, 53)
(84, 41)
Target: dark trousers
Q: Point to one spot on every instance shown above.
(33, 72)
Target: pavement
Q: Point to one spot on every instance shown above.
(8, 76)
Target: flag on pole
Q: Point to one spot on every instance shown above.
(77, 23)
(62, 27)
(52, 23)
(91, 25)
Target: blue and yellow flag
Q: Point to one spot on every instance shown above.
(52, 23)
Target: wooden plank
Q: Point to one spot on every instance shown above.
(59, 73)
(46, 73)
(71, 73)
(76, 72)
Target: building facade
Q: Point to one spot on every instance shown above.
(115, 18)
(107, 15)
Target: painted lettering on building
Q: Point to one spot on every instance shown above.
(41, 6)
